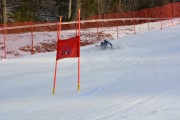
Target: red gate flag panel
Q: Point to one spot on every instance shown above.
(68, 48)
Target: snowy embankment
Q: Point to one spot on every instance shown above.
(138, 81)
(18, 45)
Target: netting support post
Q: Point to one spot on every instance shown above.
(147, 17)
(4, 34)
(97, 30)
(117, 26)
(32, 39)
(134, 21)
(172, 13)
(160, 17)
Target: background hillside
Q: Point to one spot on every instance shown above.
(50, 10)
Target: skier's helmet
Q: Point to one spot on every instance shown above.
(102, 43)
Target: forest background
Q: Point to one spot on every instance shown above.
(50, 10)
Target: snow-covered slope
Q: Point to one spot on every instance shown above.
(18, 45)
(139, 81)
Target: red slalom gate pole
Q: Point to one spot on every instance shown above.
(57, 27)
(54, 85)
(76, 27)
(79, 25)
(56, 65)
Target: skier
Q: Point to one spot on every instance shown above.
(105, 43)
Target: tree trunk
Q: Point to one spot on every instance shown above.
(1, 14)
(4, 12)
(69, 9)
(75, 12)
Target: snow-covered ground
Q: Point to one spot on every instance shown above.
(139, 81)
(18, 45)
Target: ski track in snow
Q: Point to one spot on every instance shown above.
(138, 81)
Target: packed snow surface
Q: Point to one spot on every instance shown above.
(138, 81)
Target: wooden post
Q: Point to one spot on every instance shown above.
(32, 39)
(160, 17)
(172, 12)
(4, 33)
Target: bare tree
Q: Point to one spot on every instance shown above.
(4, 12)
(75, 12)
(69, 9)
(1, 14)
